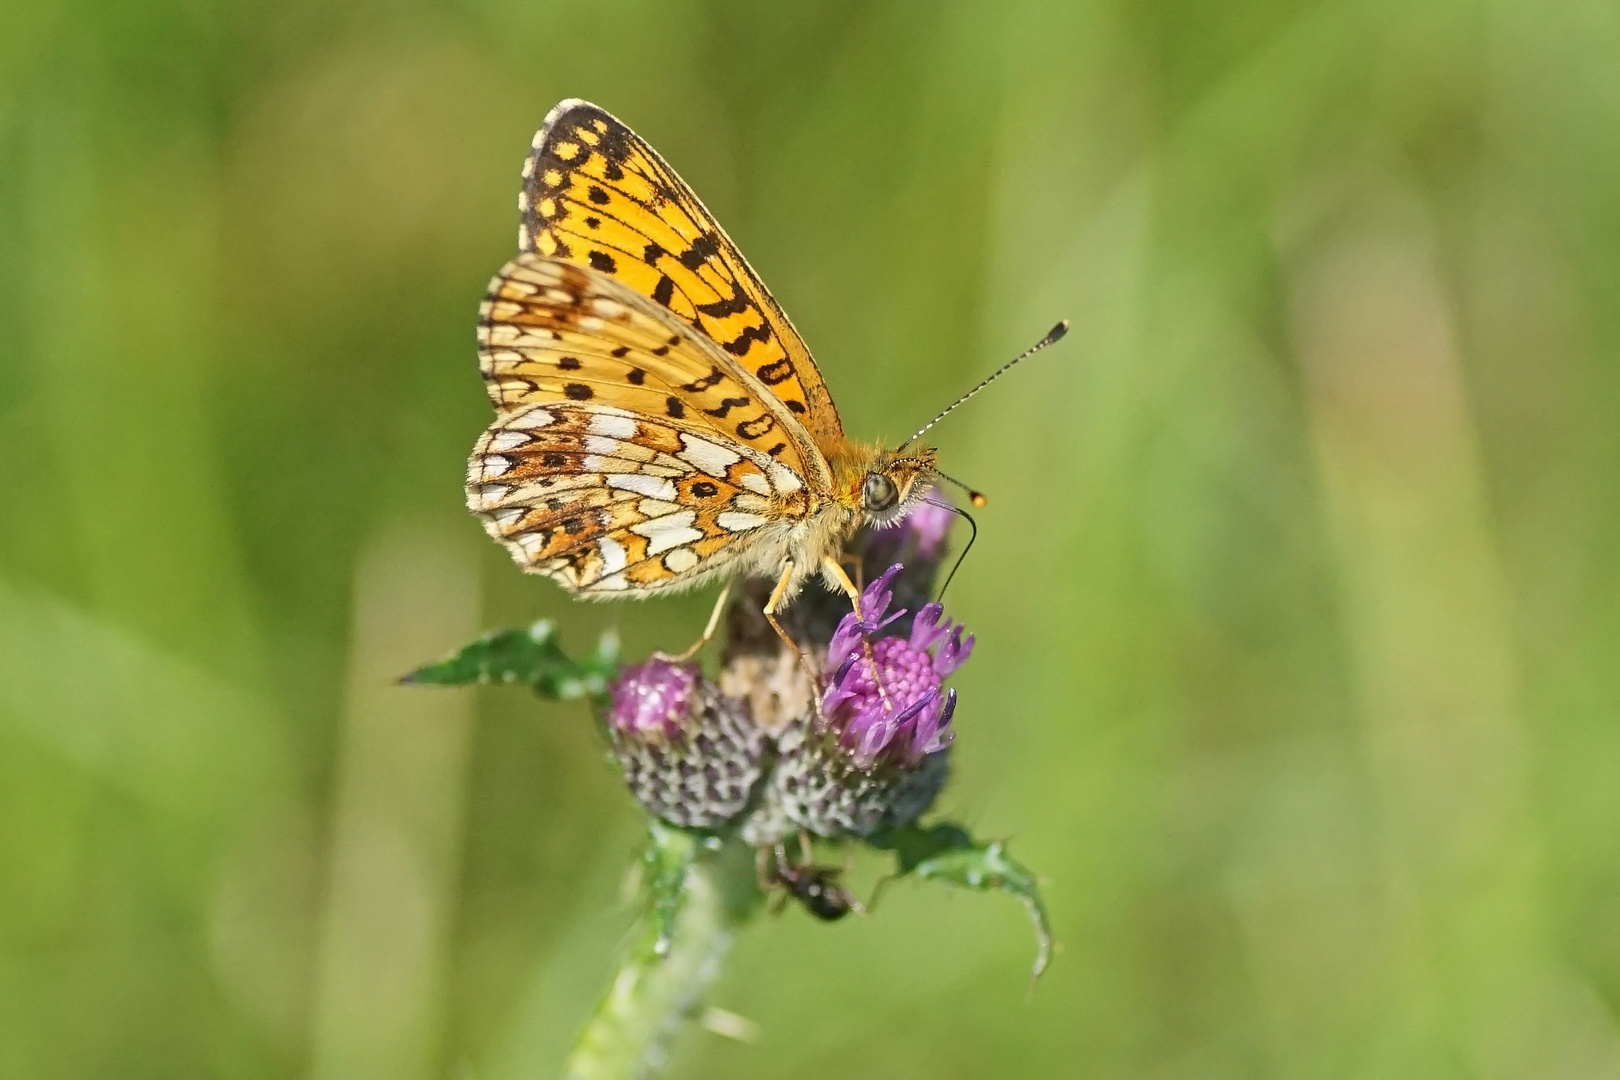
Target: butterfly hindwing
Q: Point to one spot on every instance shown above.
(596, 195)
(606, 501)
(628, 453)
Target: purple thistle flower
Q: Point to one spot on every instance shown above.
(652, 701)
(884, 696)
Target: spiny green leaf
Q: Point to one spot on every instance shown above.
(912, 844)
(948, 853)
(529, 656)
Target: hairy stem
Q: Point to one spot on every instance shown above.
(655, 995)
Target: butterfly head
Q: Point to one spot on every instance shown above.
(892, 483)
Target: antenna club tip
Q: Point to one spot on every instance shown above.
(977, 499)
(1058, 331)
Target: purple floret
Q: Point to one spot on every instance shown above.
(884, 695)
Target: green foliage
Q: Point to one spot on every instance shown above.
(531, 657)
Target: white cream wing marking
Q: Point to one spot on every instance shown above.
(613, 425)
(732, 521)
(613, 555)
(507, 440)
(654, 487)
(680, 560)
(531, 418)
(669, 531)
(707, 456)
(784, 479)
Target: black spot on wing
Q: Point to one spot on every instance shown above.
(704, 248)
(615, 144)
(713, 378)
(705, 490)
(578, 391)
(674, 407)
(735, 304)
(598, 196)
(602, 261)
(794, 405)
(568, 363)
(620, 351)
(664, 291)
(726, 405)
(636, 376)
(739, 345)
(652, 253)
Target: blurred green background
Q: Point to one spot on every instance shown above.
(1296, 595)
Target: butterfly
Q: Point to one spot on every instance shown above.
(659, 422)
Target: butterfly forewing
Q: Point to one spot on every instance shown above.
(596, 195)
(628, 453)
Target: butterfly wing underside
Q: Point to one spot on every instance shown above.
(595, 194)
(629, 454)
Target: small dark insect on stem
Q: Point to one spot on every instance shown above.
(815, 887)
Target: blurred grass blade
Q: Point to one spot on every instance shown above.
(530, 656)
(947, 852)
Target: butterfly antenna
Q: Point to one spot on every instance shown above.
(1052, 336)
(972, 536)
(975, 497)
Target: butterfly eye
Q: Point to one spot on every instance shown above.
(879, 494)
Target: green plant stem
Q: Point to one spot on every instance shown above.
(653, 996)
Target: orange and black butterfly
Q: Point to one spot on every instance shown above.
(659, 422)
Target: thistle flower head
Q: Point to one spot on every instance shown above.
(688, 754)
(884, 694)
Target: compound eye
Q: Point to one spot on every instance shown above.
(879, 494)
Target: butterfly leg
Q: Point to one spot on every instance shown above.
(708, 631)
(769, 611)
(852, 562)
(835, 570)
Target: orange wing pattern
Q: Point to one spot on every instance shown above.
(629, 454)
(596, 195)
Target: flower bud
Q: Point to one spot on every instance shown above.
(689, 755)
